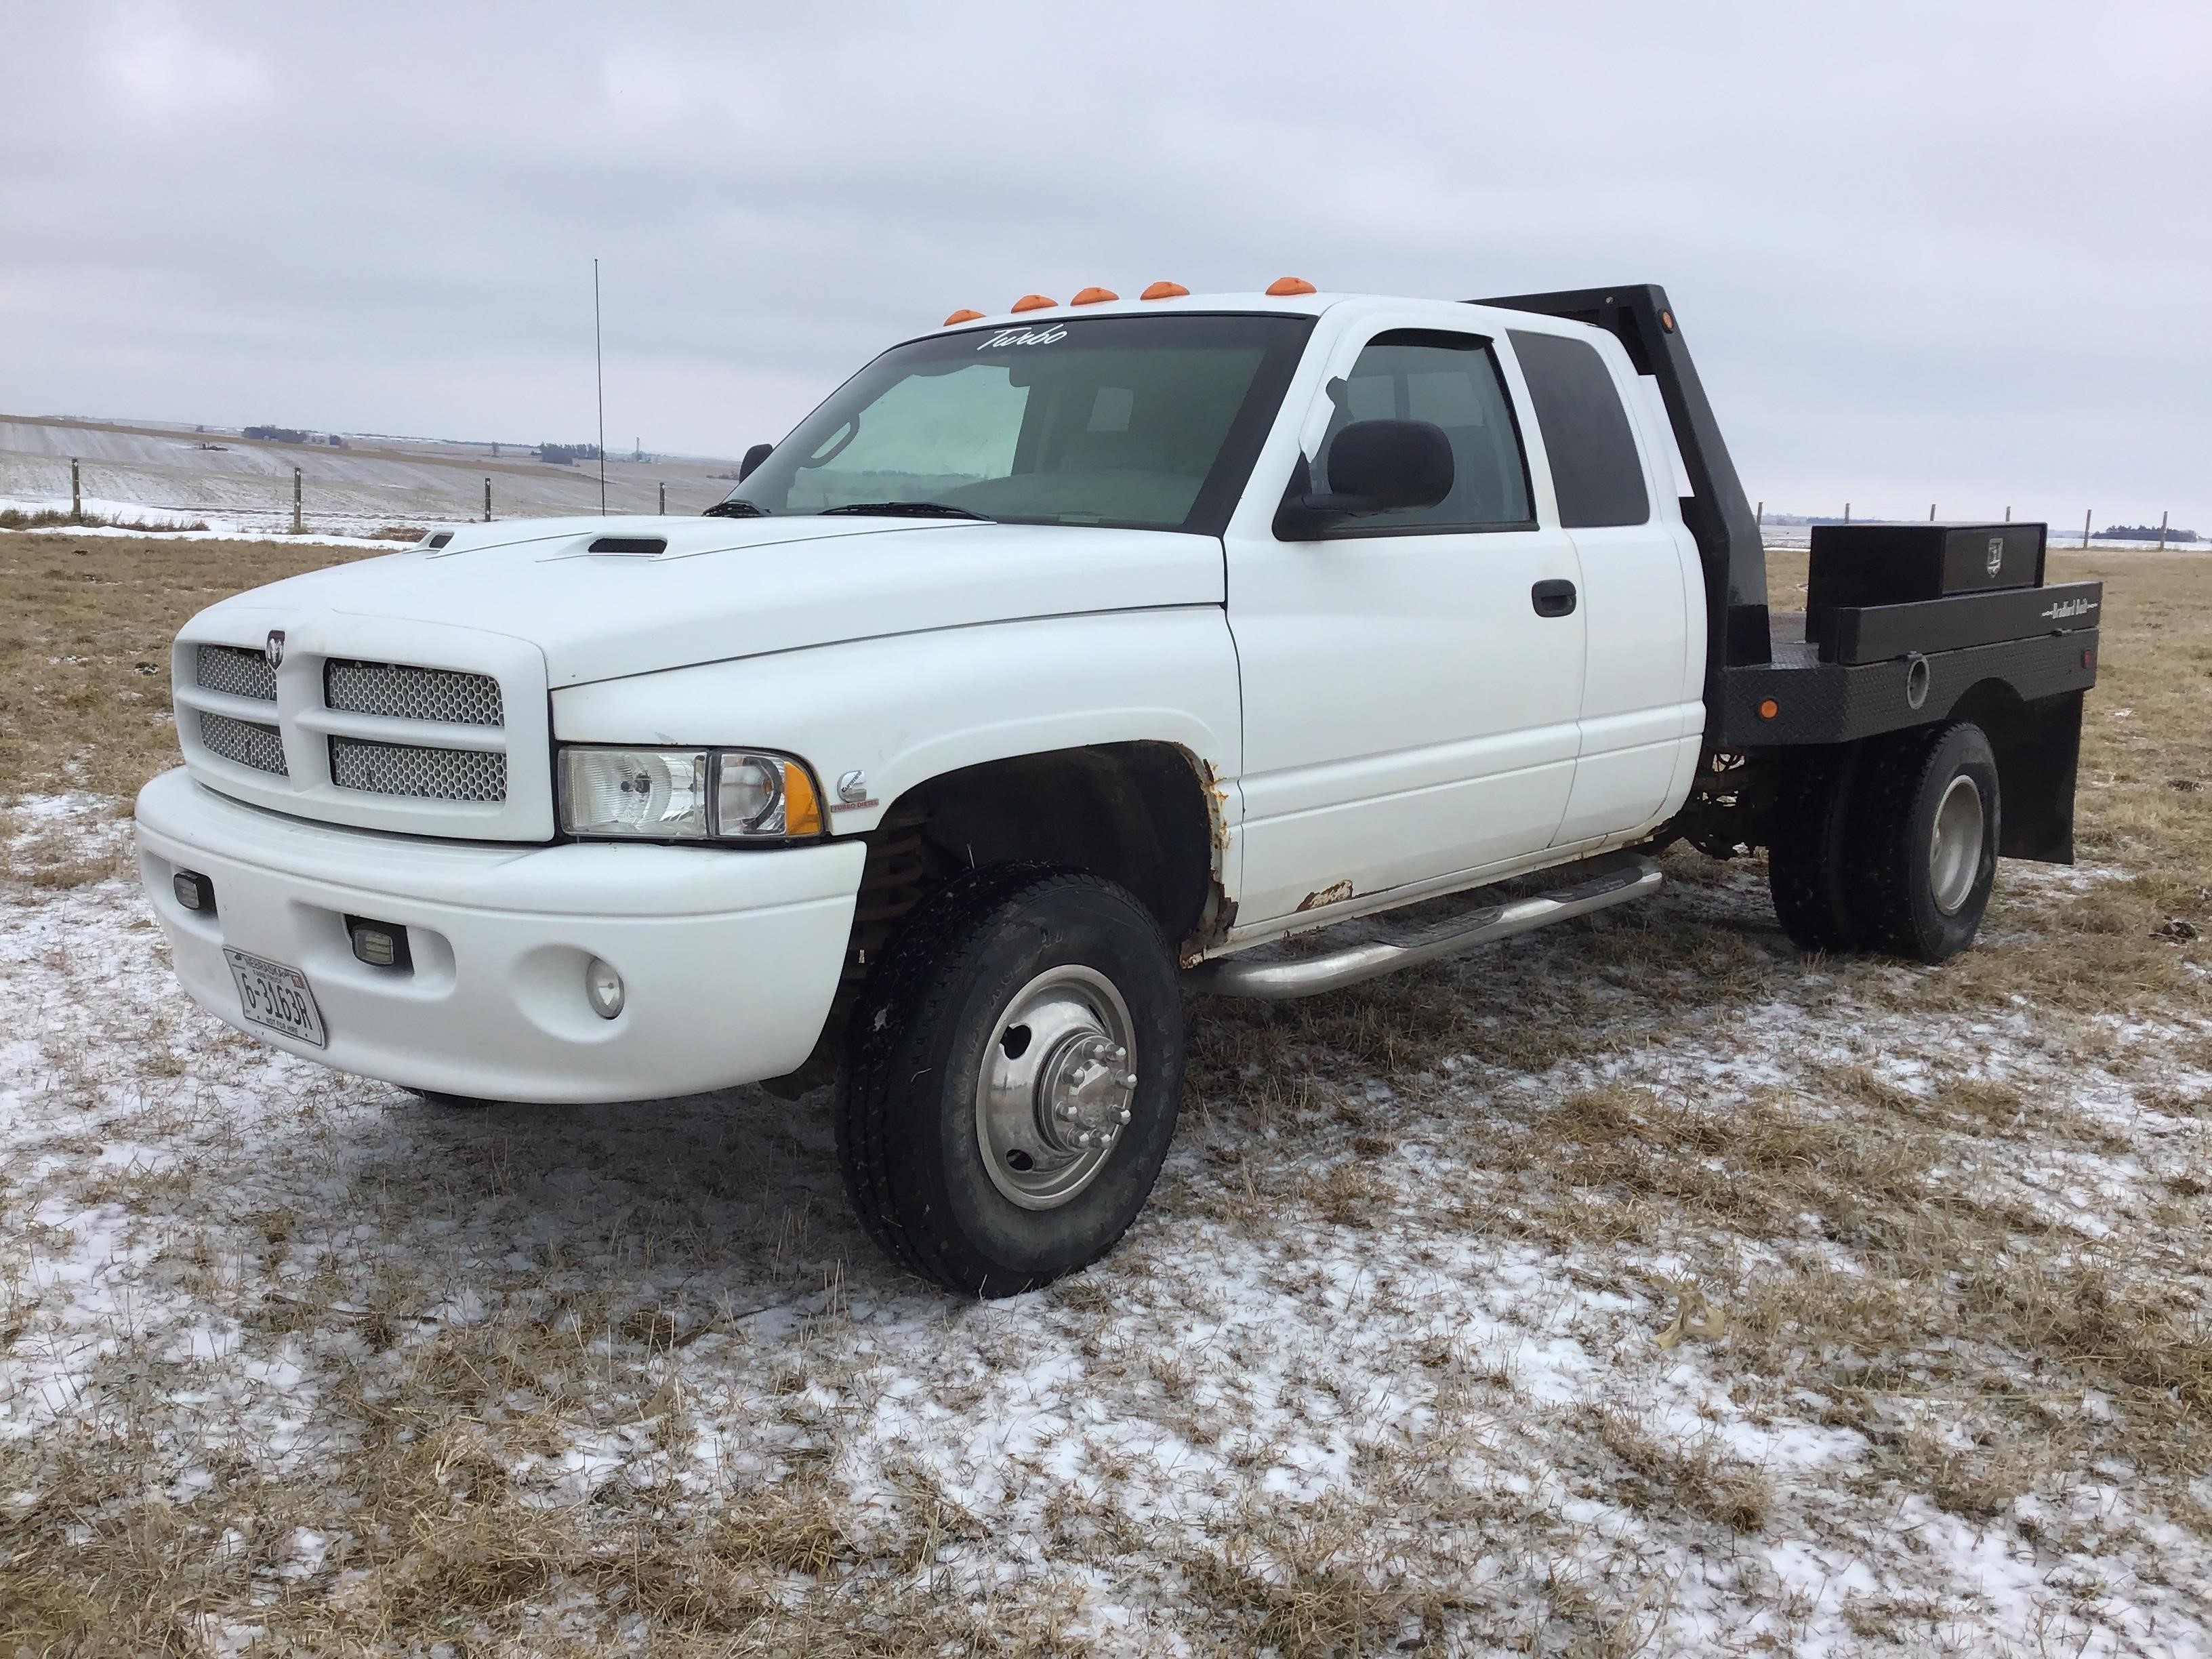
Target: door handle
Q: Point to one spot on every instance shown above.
(1553, 599)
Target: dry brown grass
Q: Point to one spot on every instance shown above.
(1951, 1219)
(85, 627)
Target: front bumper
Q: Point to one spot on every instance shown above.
(730, 957)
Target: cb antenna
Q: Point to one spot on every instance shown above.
(600, 364)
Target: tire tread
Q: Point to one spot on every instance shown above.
(906, 997)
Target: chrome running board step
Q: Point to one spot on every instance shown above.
(1610, 881)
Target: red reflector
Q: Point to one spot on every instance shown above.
(1769, 708)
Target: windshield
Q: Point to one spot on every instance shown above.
(1149, 421)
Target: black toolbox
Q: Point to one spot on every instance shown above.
(1867, 564)
(1879, 590)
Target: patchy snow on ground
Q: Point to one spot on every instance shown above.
(1346, 1367)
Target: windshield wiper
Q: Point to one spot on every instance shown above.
(906, 510)
(735, 510)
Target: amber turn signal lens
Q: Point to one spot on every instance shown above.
(1284, 285)
(1769, 708)
(961, 316)
(1165, 291)
(1034, 302)
(1094, 296)
(802, 809)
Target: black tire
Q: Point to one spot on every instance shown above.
(909, 1124)
(1906, 902)
(1805, 859)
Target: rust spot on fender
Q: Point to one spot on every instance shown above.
(1334, 893)
(1217, 803)
(1219, 914)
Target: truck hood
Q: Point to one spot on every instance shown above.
(721, 588)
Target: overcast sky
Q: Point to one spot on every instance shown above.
(1924, 252)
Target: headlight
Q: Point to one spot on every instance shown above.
(686, 794)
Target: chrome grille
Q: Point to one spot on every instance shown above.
(237, 672)
(248, 742)
(399, 691)
(403, 768)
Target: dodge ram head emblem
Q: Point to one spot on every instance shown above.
(1997, 554)
(274, 650)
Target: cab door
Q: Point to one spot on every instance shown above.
(1643, 706)
(1412, 681)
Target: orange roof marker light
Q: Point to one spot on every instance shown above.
(1287, 285)
(1094, 296)
(1165, 291)
(963, 315)
(1033, 302)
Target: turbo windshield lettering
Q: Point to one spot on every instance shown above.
(1018, 337)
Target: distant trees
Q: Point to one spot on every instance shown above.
(289, 434)
(2141, 532)
(566, 454)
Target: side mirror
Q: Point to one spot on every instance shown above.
(1374, 466)
(753, 457)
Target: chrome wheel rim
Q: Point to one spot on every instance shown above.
(1056, 1087)
(1955, 849)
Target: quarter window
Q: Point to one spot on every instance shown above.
(1450, 380)
(1596, 471)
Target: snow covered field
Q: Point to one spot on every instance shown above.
(1635, 1287)
(155, 475)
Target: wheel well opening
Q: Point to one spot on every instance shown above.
(1144, 814)
(1135, 813)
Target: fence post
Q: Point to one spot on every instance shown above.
(2007, 516)
(2161, 531)
(664, 498)
(296, 501)
(1931, 513)
(76, 494)
(2084, 525)
(1847, 512)
(487, 500)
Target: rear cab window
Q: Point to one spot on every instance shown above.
(1596, 472)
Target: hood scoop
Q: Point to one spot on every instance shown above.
(644, 547)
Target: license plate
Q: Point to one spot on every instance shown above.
(271, 994)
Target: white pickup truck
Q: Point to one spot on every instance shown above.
(1057, 660)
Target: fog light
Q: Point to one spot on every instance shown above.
(378, 943)
(605, 988)
(193, 891)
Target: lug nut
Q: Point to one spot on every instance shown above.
(1125, 1114)
(1128, 1079)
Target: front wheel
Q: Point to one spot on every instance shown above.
(1010, 1086)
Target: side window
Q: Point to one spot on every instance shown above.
(1452, 381)
(1595, 468)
